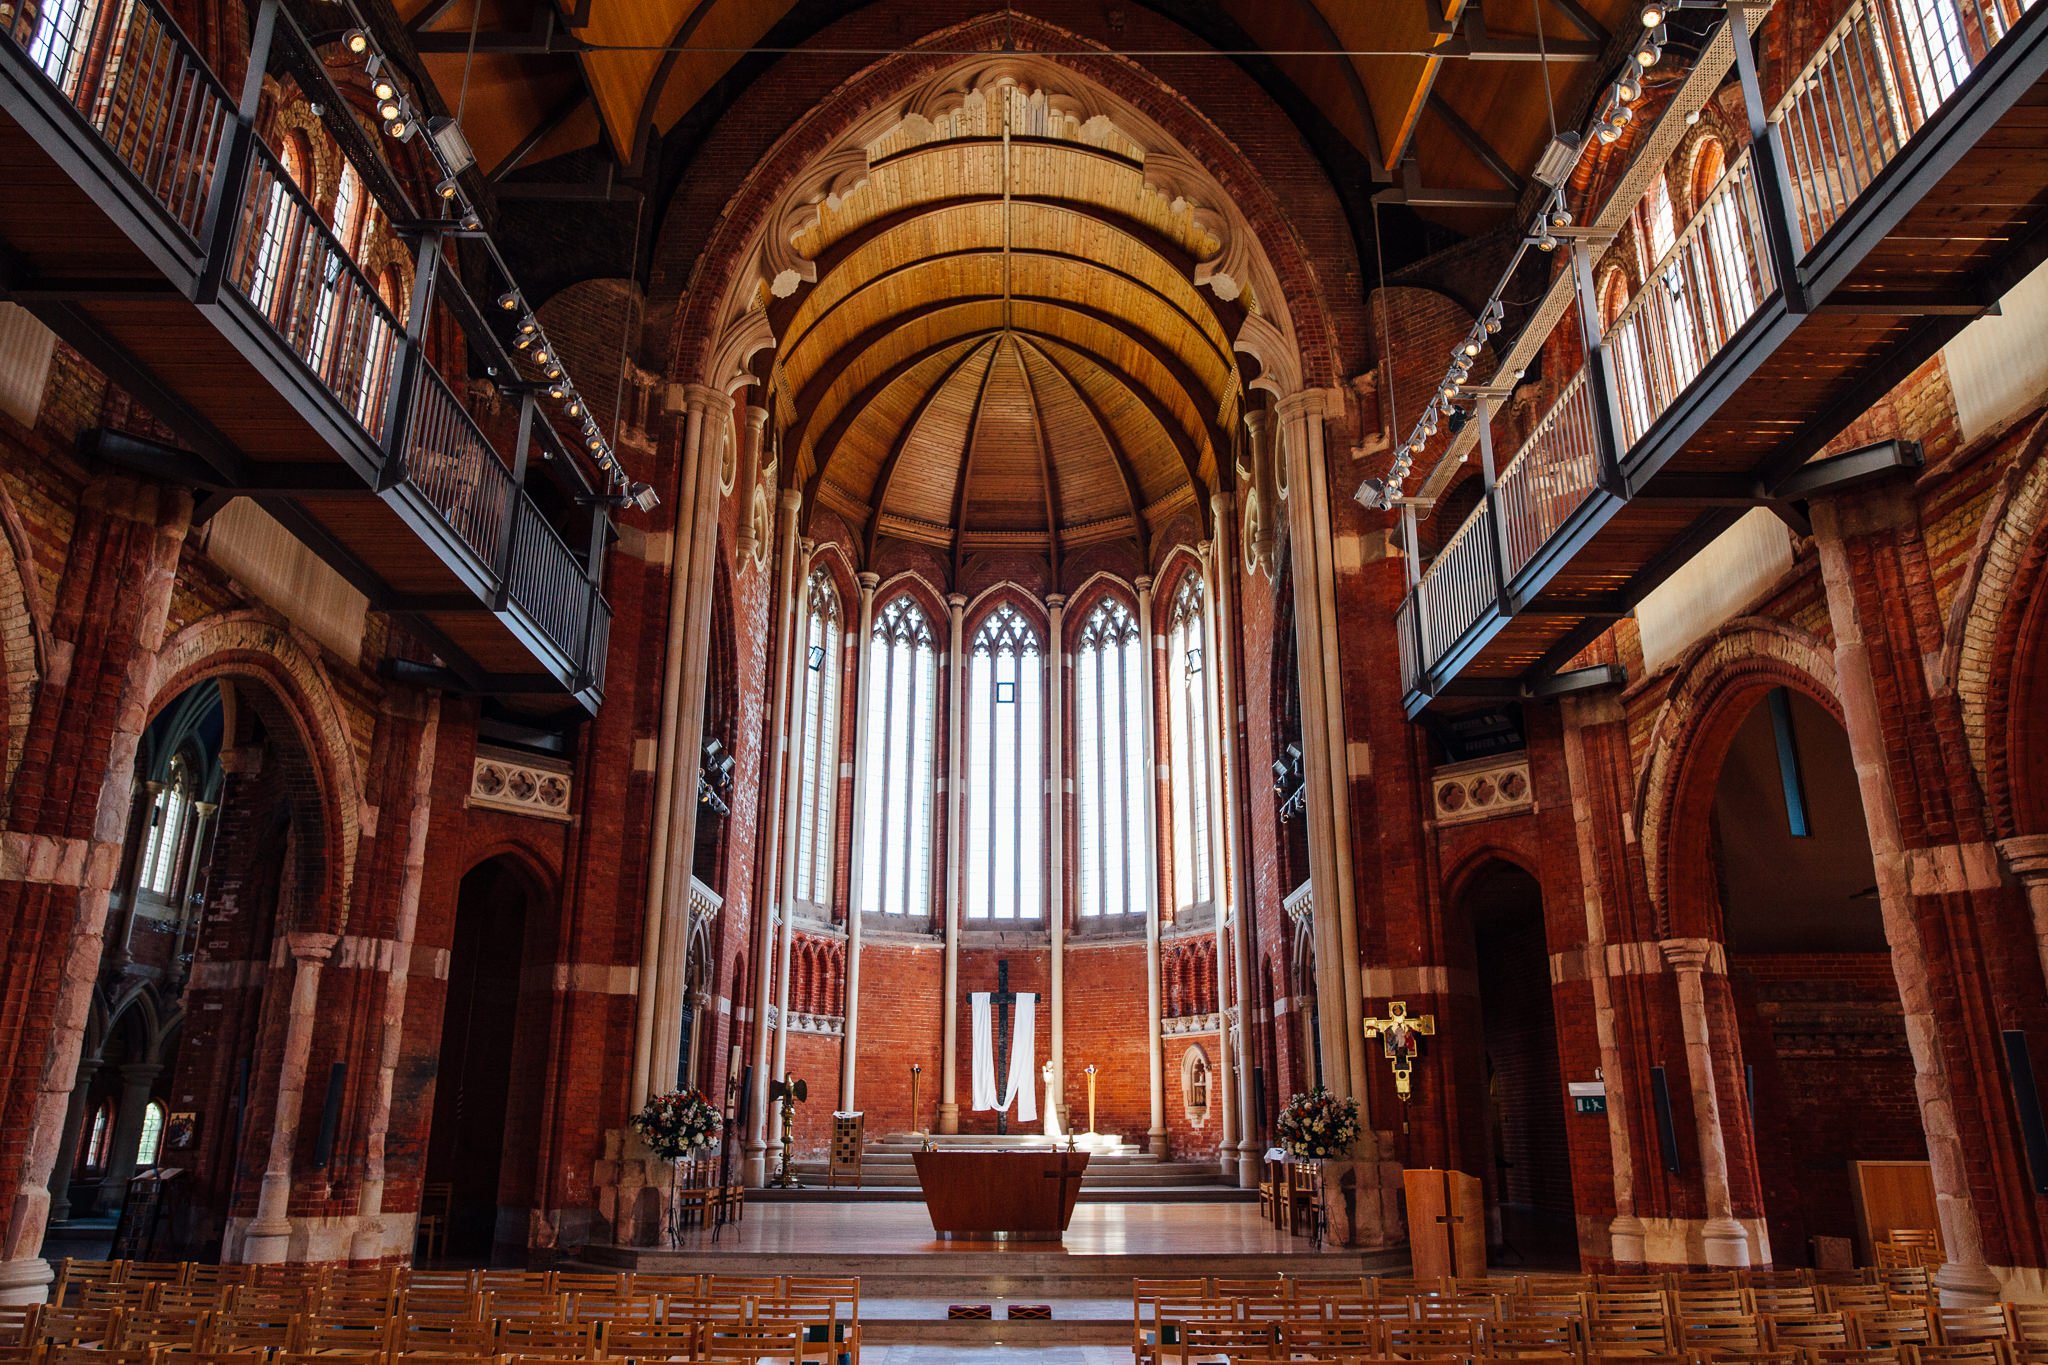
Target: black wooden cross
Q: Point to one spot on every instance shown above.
(1002, 997)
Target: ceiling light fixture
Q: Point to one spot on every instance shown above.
(356, 41)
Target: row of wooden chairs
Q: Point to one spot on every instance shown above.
(76, 1277)
(734, 1346)
(1247, 1347)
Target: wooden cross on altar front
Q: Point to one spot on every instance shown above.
(1400, 1035)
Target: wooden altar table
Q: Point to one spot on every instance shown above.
(997, 1196)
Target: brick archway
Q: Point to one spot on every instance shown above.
(24, 640)
(292, 691)
(1718, 680)
(1997, 649)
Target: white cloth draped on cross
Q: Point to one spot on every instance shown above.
(1017, 1085)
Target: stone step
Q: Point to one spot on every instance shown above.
(1153, 1173)
(903, 1156)
(815, 1191)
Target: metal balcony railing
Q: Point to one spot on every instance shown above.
(1876, 80)
(235, 217)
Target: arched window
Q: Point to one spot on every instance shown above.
(98, 1134)
(167, 829)
(1936, 56)
(276, 243)
(1728, 244)
(1109, 763)
(152, 1140)
(818, 750)
(347, 224)
(1188, 718)
(1626, 350)
(901, 679)
(62, 45)
(1005, 710)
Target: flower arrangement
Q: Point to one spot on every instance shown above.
(679, 1124)
(1317, 1125)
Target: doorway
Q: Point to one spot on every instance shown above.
(473, 1086)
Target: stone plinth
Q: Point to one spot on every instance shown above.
(1361, 1203)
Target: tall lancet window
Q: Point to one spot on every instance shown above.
(896, 845)
(1005, 709)
(1109, 763)
(1188, 715)
(818, 752)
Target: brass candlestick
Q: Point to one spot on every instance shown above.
(1089, 1072)
(916, 1074)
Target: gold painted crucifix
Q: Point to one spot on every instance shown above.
(1400, 1035)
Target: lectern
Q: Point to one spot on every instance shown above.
(1446, 1223)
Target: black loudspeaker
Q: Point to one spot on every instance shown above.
(1667, 1131)
(746, 1096)
(2019, 1065)
(330, 1115)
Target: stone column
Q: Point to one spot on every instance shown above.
(1727, 1244)
(190, 907)
(1949, 914)
(1599, 796)
(1222, 611)
(267, 1238)
(781, 802)
(1223, 895)
(67, 1153)
(1325, 750)
(371, 1243)
(779, 1067)
(1155, 1047)
(129, 892)
(2027, 856)
(956, 834)
(1056, 835)
(88, 711)
(686, 674)
(137, 1079)
(856, 881)
(745, 544)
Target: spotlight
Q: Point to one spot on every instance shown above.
(1608, 131)
(1622, 116)
(556, 390)
(356, 41)
(1473, 346)
(448, 189)
(383, 90)
(523, 340)
(1653, 14)
(388, 107)
(509, 300)
(1629, 88)
(527, 327)
(593, 443)
(1649, 51)
(1546, 242)
(400, 129)
(553, 372)
(575, 409)
(1560, 217)
(470, 222)
(540, 357)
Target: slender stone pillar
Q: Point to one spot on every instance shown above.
(267, 1239)
(746, 546)
(1056, 837)
(1223, 896)
(781, 803)
(779, 1068)
(1726, 1241)
(1325, 749)
(856, 884)
(190, 906)
(67, 1151)
(956, 781)
(1155, 1046)
(129, 893)
(1223, 618)
(706, 412)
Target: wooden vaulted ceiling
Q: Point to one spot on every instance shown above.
(1448, 86)
(1003, 345)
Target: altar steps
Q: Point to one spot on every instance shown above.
(1122, 1173)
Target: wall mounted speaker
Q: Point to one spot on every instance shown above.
(1667, 1131)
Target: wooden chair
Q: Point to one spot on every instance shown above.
(1417, 1340)
(1694, 1280)
(1712, 1303)
(157, 1272)
(352, 1334)
(443, 1335)
(74, 1274)
(1791, 1278)
(436, 1302)
(1405, 1286)
(119, 1294)
(655, 1283)
(1895, 1327)
(1628, 1303)
(550, 1338)
(1616, 1283)
(1714, 1335)
(231, 1333)
(1970, 1353)
(1770, 1299)
(184, 1329)
(653, 1341)
(750, 1346)
(63, 1325)
(742, 1286)
(1265, 1288)
(512, 1281)
(429, 1278)
(1909, 1284)
(1150, 1297)
(539, 1305)
(589, 1282)
(1504, 1287)
(816, 1322)
(2029, 1332)
(1781, 1357)
(1305, 1200)
(1322, 1339)
(1536, 1336)
(1960, 1324)
(1811, 1331)
(1476, 1307)
(1271, 1183)
(221, 1277)
(1204, 1342)
(1620, 1336)
(97, 1355)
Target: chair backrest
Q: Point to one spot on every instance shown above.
(1810, 1331)
(1445, 1337)
(2029, 1325)
(65, 1325)
(443, 1334)
(74, 1274)
(1895, 1327)
(1795, 1278)
(1721, 1332)
(1908, 1282)
(1632, 1284)
(1712, 1303)
(1706, 1279)
(649, 1282)
(750, 1345)
(541, 1304)
(1405, 1286)
(1628, 1303)
(1960, 1323)
(1968, 1353)
(1536, 1336)
(1786, 1299)
(1617, 1335)
(1234, 1341)
(1846, 1298)
(1264, 1288)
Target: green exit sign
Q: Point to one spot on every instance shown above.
(1590, 1104)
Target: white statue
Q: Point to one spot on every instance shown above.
(1052, 1105)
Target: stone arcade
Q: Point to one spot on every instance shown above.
(554, 553)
